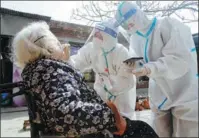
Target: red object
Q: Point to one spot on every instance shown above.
(98, 35)
(120, 121)
(106, 70)
(145, 104)
(141, 108)
(130, 25)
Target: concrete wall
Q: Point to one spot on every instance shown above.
(10, 25)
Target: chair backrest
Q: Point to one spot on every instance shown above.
(32, 111)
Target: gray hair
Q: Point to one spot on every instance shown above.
(33, 41)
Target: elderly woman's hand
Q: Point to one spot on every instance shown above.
(120, 121)
(126, 69)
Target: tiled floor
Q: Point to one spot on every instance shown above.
(12, 122)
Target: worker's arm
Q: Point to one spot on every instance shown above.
(82, 60)
(176, 55)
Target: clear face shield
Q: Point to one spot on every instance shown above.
(123, 35)
(100, 30)
(124, 20)
(99, 34)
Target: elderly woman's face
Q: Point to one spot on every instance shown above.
(61, 52)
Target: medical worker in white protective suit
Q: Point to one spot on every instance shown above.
(105, 56)
(170, 63)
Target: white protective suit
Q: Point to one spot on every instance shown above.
(167, 47)
(105, 56)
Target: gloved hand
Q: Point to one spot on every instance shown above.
(66, 48)
(120, 121)
(64, 54)
(129, 66)
(143, 71)
(126, 69)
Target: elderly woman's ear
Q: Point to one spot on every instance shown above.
(66, 51)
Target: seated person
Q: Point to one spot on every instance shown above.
(66, 105)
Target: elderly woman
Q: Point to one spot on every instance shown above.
(66, 105)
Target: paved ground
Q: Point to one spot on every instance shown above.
(12, 122)
(12, 119)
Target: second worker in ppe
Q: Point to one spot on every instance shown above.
(105, 56)
(170, 63)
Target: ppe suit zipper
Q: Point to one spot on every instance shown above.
(111, 95)
(107, 70)
(105, 57)
(146, 36)
(145, 50)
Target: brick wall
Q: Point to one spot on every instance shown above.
(74, 32)
(70, 32)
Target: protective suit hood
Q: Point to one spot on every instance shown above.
(104, 35)
(131, 18)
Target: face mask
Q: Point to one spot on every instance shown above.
(127, 20)
(103, 35)
(129, 26)
(97, 38)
